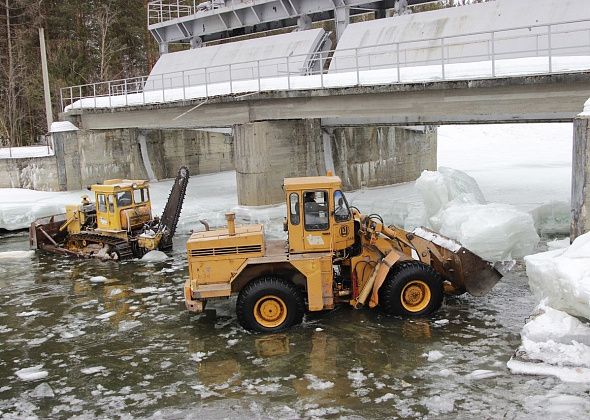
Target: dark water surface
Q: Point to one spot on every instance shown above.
(126, 347)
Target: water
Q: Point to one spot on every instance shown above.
(148, 357)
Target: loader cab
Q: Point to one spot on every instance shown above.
(122, 204)
(318, 216)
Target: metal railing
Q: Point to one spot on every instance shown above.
(484, 54)
(160, 11)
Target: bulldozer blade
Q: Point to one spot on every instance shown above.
(479, 276)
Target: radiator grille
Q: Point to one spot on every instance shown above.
(208, 252)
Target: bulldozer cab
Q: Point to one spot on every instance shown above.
(318, 216)
(122, 204)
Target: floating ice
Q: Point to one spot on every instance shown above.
(42, 391)
(145, 290)
(16, 255)
(128, 325)
(317, 384)
(92, 370)
(384, 398)
(440, 404)
(433, 356)
(106, 315)
(97, 279)
(30, 313)
(154, 256)
(32, 373)
(554, 343)
(558, 244)
(456, 208)
(563, 277)
(482, 374)
(552, 218)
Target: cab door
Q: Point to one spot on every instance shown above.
(102, 211)
(343, 226)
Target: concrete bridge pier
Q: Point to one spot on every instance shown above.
(581, 174)
(268, 151)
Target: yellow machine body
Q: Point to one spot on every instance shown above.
(122, 205)
(333, 254)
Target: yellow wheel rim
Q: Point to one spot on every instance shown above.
(415, 296)
(270, 311)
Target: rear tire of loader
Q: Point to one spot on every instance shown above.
(412, 289)
(269, 304)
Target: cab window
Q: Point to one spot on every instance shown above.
(141, 196)
(294, 208)
(123, 198)
(102, 203)
(111, 203)
(341, 209)
(316, 211)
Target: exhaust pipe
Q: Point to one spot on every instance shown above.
(231, 223)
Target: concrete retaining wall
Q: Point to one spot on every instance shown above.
(375, 156)
(38, 173)
(581, 177)
(86, 157)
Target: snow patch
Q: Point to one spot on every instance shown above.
(62, 126)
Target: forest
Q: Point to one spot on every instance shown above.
(87, 41)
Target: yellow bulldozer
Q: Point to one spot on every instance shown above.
(333, 255)
(118, 225)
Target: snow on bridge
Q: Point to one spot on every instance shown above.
(489, 40)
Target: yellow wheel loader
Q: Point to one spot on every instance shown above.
(117, 225)
(333, 255)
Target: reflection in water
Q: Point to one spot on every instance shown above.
(126, 345)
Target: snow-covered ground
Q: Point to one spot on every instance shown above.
(341, 78)
(25, 152)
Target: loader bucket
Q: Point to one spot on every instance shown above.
(464, 269)
(479, 276)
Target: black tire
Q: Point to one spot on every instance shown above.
(271, 293)
(407, 280)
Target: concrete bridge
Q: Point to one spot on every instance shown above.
(523, 67)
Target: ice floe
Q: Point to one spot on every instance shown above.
(33, 373)
(154, 256)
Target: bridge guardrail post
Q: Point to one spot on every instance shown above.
(163, 92)
(288, 75)
(258, 74)
(321, 69)
(358, 73)
(125, 86)
(94, 93)
(550, 48)
(61, 99)
(80, 95)
(183, 88)
(399, 71)
(442, 57)
(231, 82)
(493, 54)
(143, 83)
(109, 93)
(206, 84)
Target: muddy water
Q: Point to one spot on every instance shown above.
(124, 346)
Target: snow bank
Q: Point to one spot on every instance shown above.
(456, 207)
(563, 277)
(62, 126)
(25, 152)
(554, 343)
(16, 255)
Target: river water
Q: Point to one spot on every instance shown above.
(124, 346)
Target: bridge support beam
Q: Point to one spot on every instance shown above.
(581, 175)
(268, 151)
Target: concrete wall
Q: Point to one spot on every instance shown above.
(581, 176)
(37, 173)
(268, 151)
(374, 156)
(86, 157)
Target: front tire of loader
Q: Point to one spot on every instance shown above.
(269, 304)
(412, 289)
